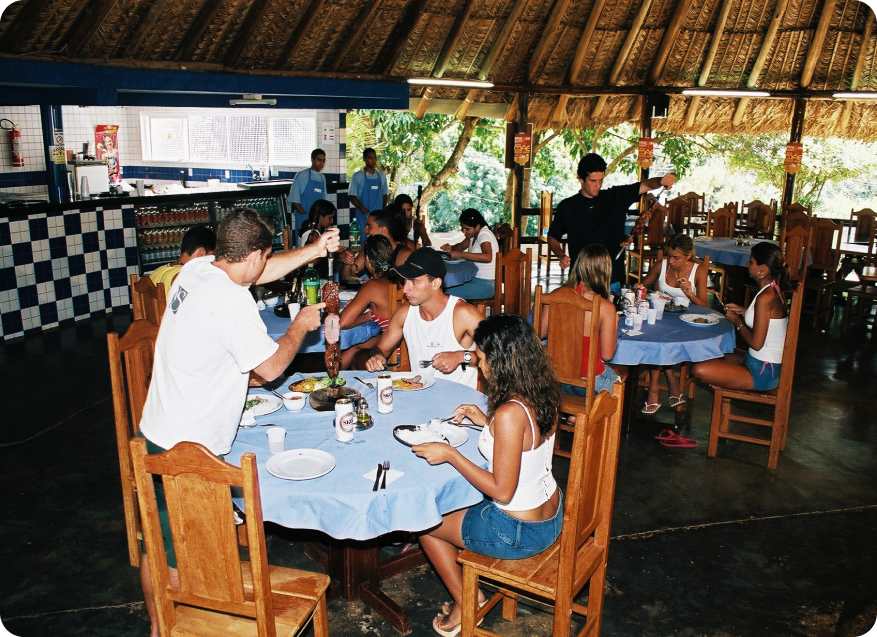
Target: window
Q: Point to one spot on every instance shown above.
(291, 140)
(164, 139)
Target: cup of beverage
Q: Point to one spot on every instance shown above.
(658, 304)
(652, 316)
(294, 309)
(276, 439)
(637, 321)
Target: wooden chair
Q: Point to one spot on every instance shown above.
(720, 223)
(505, 237)
(398, 361)
(778, 398)
(648, 244)
(865, 294)
(579, 556)
(696, 222)
(863, 227)
(764, 221)
(148, 300)
(795, 215)
(795, 245)
(565, 326)
(512, 284)
(218, 593)
(131, 360)
(678, 211)
(546, 212)
(825, 237)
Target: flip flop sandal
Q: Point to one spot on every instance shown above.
(669, 434)
(651, 408)
(450, 632)
(683, 443)
(675, 401)
(447, 606)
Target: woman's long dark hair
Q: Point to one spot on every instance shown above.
(379, 252)
(770, 255)
(472, 218)
(320, 208)
(519, 368)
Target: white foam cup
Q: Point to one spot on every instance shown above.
(276, 439)
(638, 321)
(658, 304)
(652, 316)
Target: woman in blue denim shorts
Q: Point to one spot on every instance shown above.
(762, 326)
(522, 512)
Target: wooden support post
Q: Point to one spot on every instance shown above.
(795, 136)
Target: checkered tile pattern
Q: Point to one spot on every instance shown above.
(64, 266)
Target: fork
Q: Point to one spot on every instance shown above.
(386, 471)
(366, 383)
(425, 363)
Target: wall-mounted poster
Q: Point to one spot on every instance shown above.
(106, 138)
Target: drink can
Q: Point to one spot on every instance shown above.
(385, 394)
(345, 420)
(642, 307)
(641, 294)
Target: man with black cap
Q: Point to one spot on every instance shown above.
(436, 327)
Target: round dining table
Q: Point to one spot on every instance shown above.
(342, 503)
(725, 250)
(314, 343)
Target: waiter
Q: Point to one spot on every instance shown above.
(308, 186)
(598, 216)
(368, 188)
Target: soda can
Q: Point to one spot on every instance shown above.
(642, 307)
(345, 420)
(385, 394)
(641, 294)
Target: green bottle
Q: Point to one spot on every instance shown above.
(354, 231)
(311, 281)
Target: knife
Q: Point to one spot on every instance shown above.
(378, 476)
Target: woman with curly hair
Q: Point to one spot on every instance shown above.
(522, 500)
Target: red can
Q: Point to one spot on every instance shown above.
(641, 294)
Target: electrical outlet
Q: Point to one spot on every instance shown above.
(227, 174)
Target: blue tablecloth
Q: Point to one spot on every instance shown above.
(671, 340)
(314, 341)
(459, 272)
(724, 250)
(342, 503)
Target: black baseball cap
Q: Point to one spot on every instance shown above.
(422, 261)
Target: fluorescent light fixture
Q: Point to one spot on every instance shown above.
(438, 81)
(855, 96)
(253, 99)
(706, 92)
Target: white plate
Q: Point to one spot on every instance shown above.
(428, 381)
(411, 435)
(269, 405)
(698, 319)
(300, 464)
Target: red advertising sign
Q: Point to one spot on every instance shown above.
(523, 145)
(106, 138)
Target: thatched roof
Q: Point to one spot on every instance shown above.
(563, 54)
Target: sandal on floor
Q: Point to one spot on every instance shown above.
(675, 401)
(447, 606)
(450, 632)
(669, 434)
(651, 408)
(682, 443)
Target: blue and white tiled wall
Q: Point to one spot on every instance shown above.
(64, 266)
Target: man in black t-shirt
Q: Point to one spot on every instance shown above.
(597, 216)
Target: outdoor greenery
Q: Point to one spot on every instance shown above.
(460, 164)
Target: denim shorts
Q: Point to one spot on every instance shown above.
(765, 376)
(493, 532)
(603, 382)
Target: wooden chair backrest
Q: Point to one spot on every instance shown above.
(790, 346)
(655, 231)
(678, 211)
(148, 300)
(796, 219)
(796, 207)
(197, 488)
(796, 246)
(720, 223)
(864, 223)
(764, 221)
(825, 236)
(512, 284)
(567, 311)
(698, 203)
(546, 211)
(505, 237)
(733, 206)
(399, 360)
(591, 484)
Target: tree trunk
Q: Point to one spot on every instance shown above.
(440, 179)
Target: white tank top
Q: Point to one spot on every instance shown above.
(425, 339)
(536, 483)
(485, 270)
(677, 292)
(772, 350)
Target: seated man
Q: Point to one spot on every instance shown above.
(381, 222)
(197, 242)
(436, 327)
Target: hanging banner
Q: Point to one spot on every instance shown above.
(794, 157)
(645, 155)
(106, 138)
(523, 145)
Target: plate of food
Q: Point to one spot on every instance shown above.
(300, 464)
(406, 381)
(700, 320)
(410, 435)
(673, 308)
(310, 383)
(261, 404)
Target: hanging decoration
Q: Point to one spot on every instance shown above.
(645, 152)
(794, 157)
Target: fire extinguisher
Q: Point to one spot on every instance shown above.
(14, 142)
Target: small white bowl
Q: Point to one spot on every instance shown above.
(294, 400)
(271, 301)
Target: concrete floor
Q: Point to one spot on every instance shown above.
(719, 547)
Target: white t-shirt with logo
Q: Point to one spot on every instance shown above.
(485, 270)
(211, 337)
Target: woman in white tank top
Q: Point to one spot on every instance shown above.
(522, 512)
(763, 327)
(681, 277)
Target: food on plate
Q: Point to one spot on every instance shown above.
(673, 307)
(252, 402)
(416, 435)
(701, 321)
(309, 384)
(403, 384)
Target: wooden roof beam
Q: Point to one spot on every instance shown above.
(549, 34)
(715, 41)
(857, 70)
(298, 35)
(816, 43)
(501, 40)
(145, 27)
(196, 30)
(453, 39)
(361, 23)
(93, 18)
(428, 92)
(248, 28)
(463, 109)
(667, 42)
(386, 59)
(559, 109)
(621, 60)
(27, 17)
(585, 41)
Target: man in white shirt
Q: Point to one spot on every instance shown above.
(368, 188)
(212, 337)
(436, 327)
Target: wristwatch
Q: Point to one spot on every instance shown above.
(467, 358)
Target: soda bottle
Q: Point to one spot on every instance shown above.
(311, 282)
(354, 232)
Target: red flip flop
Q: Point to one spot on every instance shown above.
(682, 443)
(671, 436)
